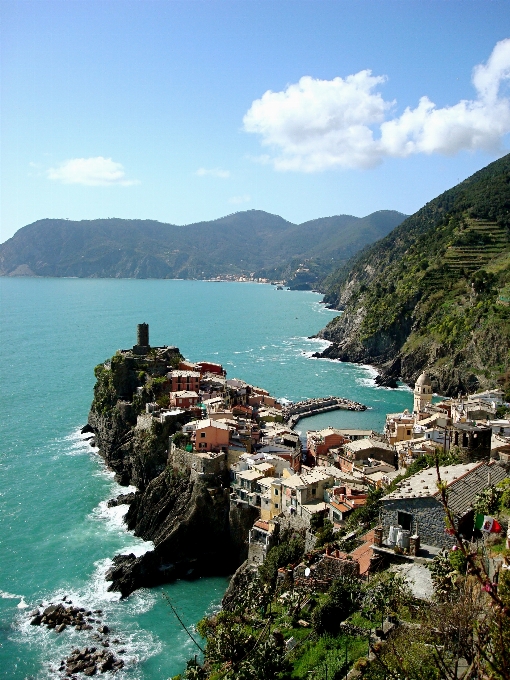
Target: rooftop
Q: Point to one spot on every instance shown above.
(201, 424)
(250, 475)
(367, 444)
(464, 482)
(184, 374)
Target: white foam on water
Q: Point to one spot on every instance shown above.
(9, 596)
(138, 549)
(119, 616)
(114, 517)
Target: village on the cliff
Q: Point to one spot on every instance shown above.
(234, 426)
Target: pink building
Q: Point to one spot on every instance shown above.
(211, 435)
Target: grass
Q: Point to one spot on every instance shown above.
(328, 654)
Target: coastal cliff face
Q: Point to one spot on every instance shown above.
(434, 293)
(136, 451)
(195, 528)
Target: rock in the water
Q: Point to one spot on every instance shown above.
(86, 428)
(386, 381)
(123, 499)
(36, 621)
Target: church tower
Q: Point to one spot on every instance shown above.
(422, 393)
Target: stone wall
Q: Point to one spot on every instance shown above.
(199, 464)
(332, 567)
(427, 519)
(256, 554)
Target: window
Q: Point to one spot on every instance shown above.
(408, 432)
(276, 492)
(202, 434)
(405, 520)
(276, 505)
(314, 491)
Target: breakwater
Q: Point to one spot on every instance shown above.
(293, 413)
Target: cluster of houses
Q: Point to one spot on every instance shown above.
(233, 426)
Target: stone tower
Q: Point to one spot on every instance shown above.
(142, 339)
(142, 335)
(422, 393)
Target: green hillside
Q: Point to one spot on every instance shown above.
(435, 292)
(243, 243)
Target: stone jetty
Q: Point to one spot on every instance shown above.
(311, 407)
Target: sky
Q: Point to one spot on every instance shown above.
(188, 110)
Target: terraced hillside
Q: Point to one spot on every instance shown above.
(435, 292)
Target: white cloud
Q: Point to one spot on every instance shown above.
(237, 200)
(98, 171)
(213, 172)
(319, 124)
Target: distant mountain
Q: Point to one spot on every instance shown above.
(435, 292)
(246, 242)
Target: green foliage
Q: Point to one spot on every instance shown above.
(444, 577)
(341, 600)
(240, 243)
(316, 521)
(488, 500)
(458, 561)
(287, 552)
(428, 460)
(504, 487)
(266, 661)
(180, 439)
(325, 534)
(384, 595)
(194, 671)
(105, 395)
(434, 280)
(228, 639)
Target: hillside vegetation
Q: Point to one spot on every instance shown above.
(435, 292)
(244, 243)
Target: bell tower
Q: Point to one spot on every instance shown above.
(422, 393)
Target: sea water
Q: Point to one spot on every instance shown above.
(57, 535)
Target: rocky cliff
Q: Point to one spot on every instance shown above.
(193, 526)
(434, 294)
(189, 518)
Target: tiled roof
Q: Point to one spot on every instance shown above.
(464, 482)
(340, 506)
(261, 524)
(462, 492)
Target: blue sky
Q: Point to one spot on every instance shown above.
(188, 110)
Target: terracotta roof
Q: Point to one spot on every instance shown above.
(340, 506)
(363, 554)
(261, 524)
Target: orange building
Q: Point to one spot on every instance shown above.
(319, 442)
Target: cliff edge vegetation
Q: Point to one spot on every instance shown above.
(434, 293)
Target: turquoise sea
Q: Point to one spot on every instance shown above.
(57, 536)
